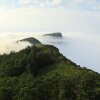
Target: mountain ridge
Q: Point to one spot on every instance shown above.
(41, 72)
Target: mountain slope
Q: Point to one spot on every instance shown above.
(42, 73)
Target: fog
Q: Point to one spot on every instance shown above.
(83, 49)
(8, 42)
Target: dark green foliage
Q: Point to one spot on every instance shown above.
(6, 93)
(42, 73)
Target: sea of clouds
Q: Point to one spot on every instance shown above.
(83, 49)
(8, 42)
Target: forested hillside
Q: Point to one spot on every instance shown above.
(42, 73)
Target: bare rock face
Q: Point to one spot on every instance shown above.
(31, 40)
(55, 34)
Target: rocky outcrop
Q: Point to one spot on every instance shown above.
(55, 34)
(31, 40)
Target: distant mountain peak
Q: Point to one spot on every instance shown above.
(54, 34)
(31, 40)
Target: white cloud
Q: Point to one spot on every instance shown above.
(25, 1)
(85, 1)
(41, 2)
(48, 19)
(70, 4)
(56, 2)
(96, 7)
(79, 1)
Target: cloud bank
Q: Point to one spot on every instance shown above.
(50, 15)
(48, 19)
(8, 42)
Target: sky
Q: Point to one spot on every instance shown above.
(50, 15)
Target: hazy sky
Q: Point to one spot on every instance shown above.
(50, 15)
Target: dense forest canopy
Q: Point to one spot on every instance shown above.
(42, 73)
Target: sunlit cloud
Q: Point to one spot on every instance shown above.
(81, 5)
(25, 1)
(42, 3)
(56, 2)
(50, 15)
(85, 1)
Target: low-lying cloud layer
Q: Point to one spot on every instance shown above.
(81, 48)
(8, 42)
(8, 46)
